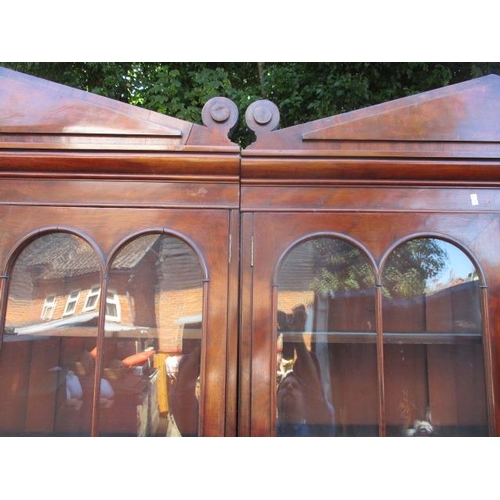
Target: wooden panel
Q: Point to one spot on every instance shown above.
(354, 388)
(369, 199)
(405, 386)
(54, 108)
(109, 227)
(317, 170)
(456, 386)
(39, 114)
(274, 233)
(465, 112)
(14, 375)
(178, 166)
(43, 386)
(459, 120)
(112, 193)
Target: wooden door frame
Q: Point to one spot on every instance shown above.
(434, 153)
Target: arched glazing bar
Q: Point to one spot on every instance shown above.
(433, 335)
(395, 350)
(325, 298)
(46, 381)
(152, 350)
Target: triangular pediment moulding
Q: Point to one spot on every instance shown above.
(451, 123)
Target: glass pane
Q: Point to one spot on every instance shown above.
(327, 362)
(153, 340)
(46, 362)
(433, 350)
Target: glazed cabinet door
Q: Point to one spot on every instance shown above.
(369, 324)
(117, 322)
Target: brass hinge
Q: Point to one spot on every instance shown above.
(230, 248)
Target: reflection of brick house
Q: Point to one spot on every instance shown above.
(294, 279)
(154, 285)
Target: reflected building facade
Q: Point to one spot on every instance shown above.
(153, 313)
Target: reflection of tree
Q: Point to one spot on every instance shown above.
(339, 266)
(411, 265)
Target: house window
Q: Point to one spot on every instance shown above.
(112, 303)
(71, 302)
(49, 306)
(92, 298)
(112, 306)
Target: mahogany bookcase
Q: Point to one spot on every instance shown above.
(150, 267)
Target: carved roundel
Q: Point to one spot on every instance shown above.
(262, 116)
(220, 112)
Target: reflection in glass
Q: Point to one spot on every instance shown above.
(433, 350)
(153, 340)
(46, 365)
(327, 371)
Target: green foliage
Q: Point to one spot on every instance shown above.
(339, 266)
(411, 265)
(107, 79)
(302, 91)
(307, 91)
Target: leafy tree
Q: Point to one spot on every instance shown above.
(411, 265)
(339, 266)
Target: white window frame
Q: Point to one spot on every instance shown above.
(49, 306)
(113, 299)
(94, 291)
(71, 302)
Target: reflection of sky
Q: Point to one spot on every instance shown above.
(458, 265)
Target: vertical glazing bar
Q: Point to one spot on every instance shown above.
(3, 306)
(273, 367)
(488, 363)
(232, 334)
(380, 360)
(245, 337)
(101, 326)
(204, 337)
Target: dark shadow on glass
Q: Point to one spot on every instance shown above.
(326, 343)
(302, 407)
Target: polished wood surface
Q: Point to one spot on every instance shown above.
(455, 121)
(37, 114)
(423, 165)
(427, 165)
(108, 172)
(376, 233)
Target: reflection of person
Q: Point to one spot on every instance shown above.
(302, 407)
(291, 408)
(183, 399)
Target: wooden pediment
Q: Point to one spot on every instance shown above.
(458, 120)
(35, 113)
(466, 112)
